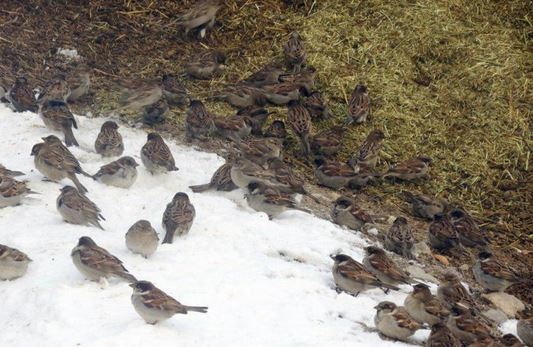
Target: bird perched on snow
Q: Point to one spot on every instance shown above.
(348, 213)
(329, 141)
(96, 264)
(334, 174)
(155, 113)
(467, 327)
(76, 208)
(424, 307)
(21, 96)
(200, 17)
(301, 124)
(359, 105)
(154, 305)
(493, 275)
(109, 141)
(410, 169)
(295, 52)
(173, 91)
(9, 173)
(524, 329)
(467, 229)
(57, 116)
(425, 206)
(156, 156)
(399, 238)
(206, 66)
(56, 89)
(79, 82)
(13, 263)
(12, 191)
(441, 336)
(244, 171)
(178, 217)
(142, 238)
(271, 200)
(199, 121)
(394, 321)
(221, 181)
(384, 268)
(452, 292)
(368, 153)
(120, 173)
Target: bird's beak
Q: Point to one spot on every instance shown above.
(332, 256)
(131, 285)
(376, 307)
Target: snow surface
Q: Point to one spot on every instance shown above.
(267, 283)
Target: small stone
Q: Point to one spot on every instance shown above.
(420, 248)
(509, 304)
(442, 259)
(464, 267)
(419, 273)
(495, 315)
(370, 228)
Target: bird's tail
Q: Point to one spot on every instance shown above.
(200, 188)
(201, 309)
(78, 184)
(70, 140)
(127, 276)
(169, 236)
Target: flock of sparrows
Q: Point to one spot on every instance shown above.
(256, 165)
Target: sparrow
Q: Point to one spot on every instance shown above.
(12, 191)
(334, 174)
(154, 305)
(76, 208)
(56, 89)
(268, 74)
(9, 173)
(441, 336)
(329, 141)
(13, 263)
(156, 156)
(509, 340)
(384, 268)
(271, 200)
(368, 153)
(242, 96)
(173, 91)
(155, 113)
(109, 141)
(79, 82)
(244, 171)
(467, 229)
(57, 116)
(410, 169)
(394, 322)
(465, 326)
(493, 275)
(261, 150)
(21, 96)
(424, 307)
(441, 234)
(359, 105)
(178, 217)
(135, 95)
(257, 116)
(200, 17)
(485, 342)
(198, 121)
(206, 65)
(120, 173)
(301, 124)
(221, 181)
(399, 238)
(3, 92)
(362, 178)
(55, 164)
(346, 212)
(524, 329)
(233, 128)
(142, 239)
(281, 93)
(284, 175)
(95, 263)
(315, 104)
(295, 52)
(276, 130)
(54, 142)
(425, 206)
(452, 292)
(351, 277)
(304, 80)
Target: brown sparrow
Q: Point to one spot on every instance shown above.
(268, 74)
(359, 105)
(57, 116)
(155, 113)
(233, 128)
(142, 239)
(301, 124)
(282, 93)
(156, 156)
(452, 292)
(257, 116)
(261, 150)
(200, 17)
(384, 268)
(509, 340)
(465, 326)
(394, 322)
(76, 208)
(493, 275)
(178, 217)
(13, 263)
(56, 89)
(467, 229)
(96, 264)
(441, 336)
(54, 142)
(524, 329)
(221, 181)
(120, 173)
(351, 277)
(346, 212)
(271, 200)
(410, 169)
(206, 65)
(79, 82)
(399, 238)
(154, 305)
(244, 171)
(198, 121)
(12, 191)
(284, 174)
(304, 80)
(295, 52)
(424, 307)
(315, 104)
(109, 141)
(242, 96)
(425, 206)
(173, 91)
(329, 141)
(138, 94)
(333, 174)
(441, 234)
(368, 153)
(277, 130)
(9, 173)
(21, 96)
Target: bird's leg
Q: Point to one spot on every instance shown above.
(103, 283)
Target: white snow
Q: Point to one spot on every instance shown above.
(69, 54)
(267, 283)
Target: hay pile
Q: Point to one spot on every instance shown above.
(451, 80)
